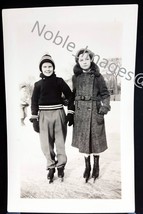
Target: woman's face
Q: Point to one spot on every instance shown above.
(84, 61)
(47, 69)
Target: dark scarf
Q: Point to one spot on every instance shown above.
(45, 77)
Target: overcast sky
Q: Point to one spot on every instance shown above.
(99, 28)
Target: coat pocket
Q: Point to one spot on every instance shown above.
(98, 105)
(100, 119)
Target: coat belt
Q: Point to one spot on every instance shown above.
(86, 98)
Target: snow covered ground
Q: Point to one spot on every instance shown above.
(34, 183)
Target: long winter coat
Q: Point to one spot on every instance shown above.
(90, 92)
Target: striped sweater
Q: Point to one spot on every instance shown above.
(47, 94)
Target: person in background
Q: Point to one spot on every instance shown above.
(48, 116)
(24, 103)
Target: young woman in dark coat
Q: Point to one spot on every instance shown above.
(91, 98)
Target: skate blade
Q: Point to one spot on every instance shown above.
(61, 179)
(86, 180)
(94, 179)
(50, 181)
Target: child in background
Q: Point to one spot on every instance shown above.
(24, 103)
(48, 116)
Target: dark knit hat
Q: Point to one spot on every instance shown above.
(82, 51)
(46, 58)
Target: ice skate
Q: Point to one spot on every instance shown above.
(86, 174)
(50, 175)
(61, 173)
(95, 172)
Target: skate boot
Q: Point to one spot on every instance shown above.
(95, 172)
(86, 173)
(61, 173)
(50, 175)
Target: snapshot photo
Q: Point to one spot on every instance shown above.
(69, 76)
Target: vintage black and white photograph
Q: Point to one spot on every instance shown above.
(69, 75)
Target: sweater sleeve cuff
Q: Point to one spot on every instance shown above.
(34, 116)
(70, 112)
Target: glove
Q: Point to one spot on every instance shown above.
(35, 121)
(103, 110)
(36, 126)
(65, 102)
(70, 119)
(100, 119)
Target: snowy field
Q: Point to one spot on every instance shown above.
(34, 183)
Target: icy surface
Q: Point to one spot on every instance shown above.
(34, 183)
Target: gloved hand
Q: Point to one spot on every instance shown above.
(34, 119)
(70, 119)
(103, 110)
(65, 102)
(36, 126)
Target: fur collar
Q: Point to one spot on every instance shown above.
(94, 70)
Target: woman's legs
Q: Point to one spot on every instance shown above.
(87, 170)
(95, 170)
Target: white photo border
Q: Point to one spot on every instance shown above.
(128, 16)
